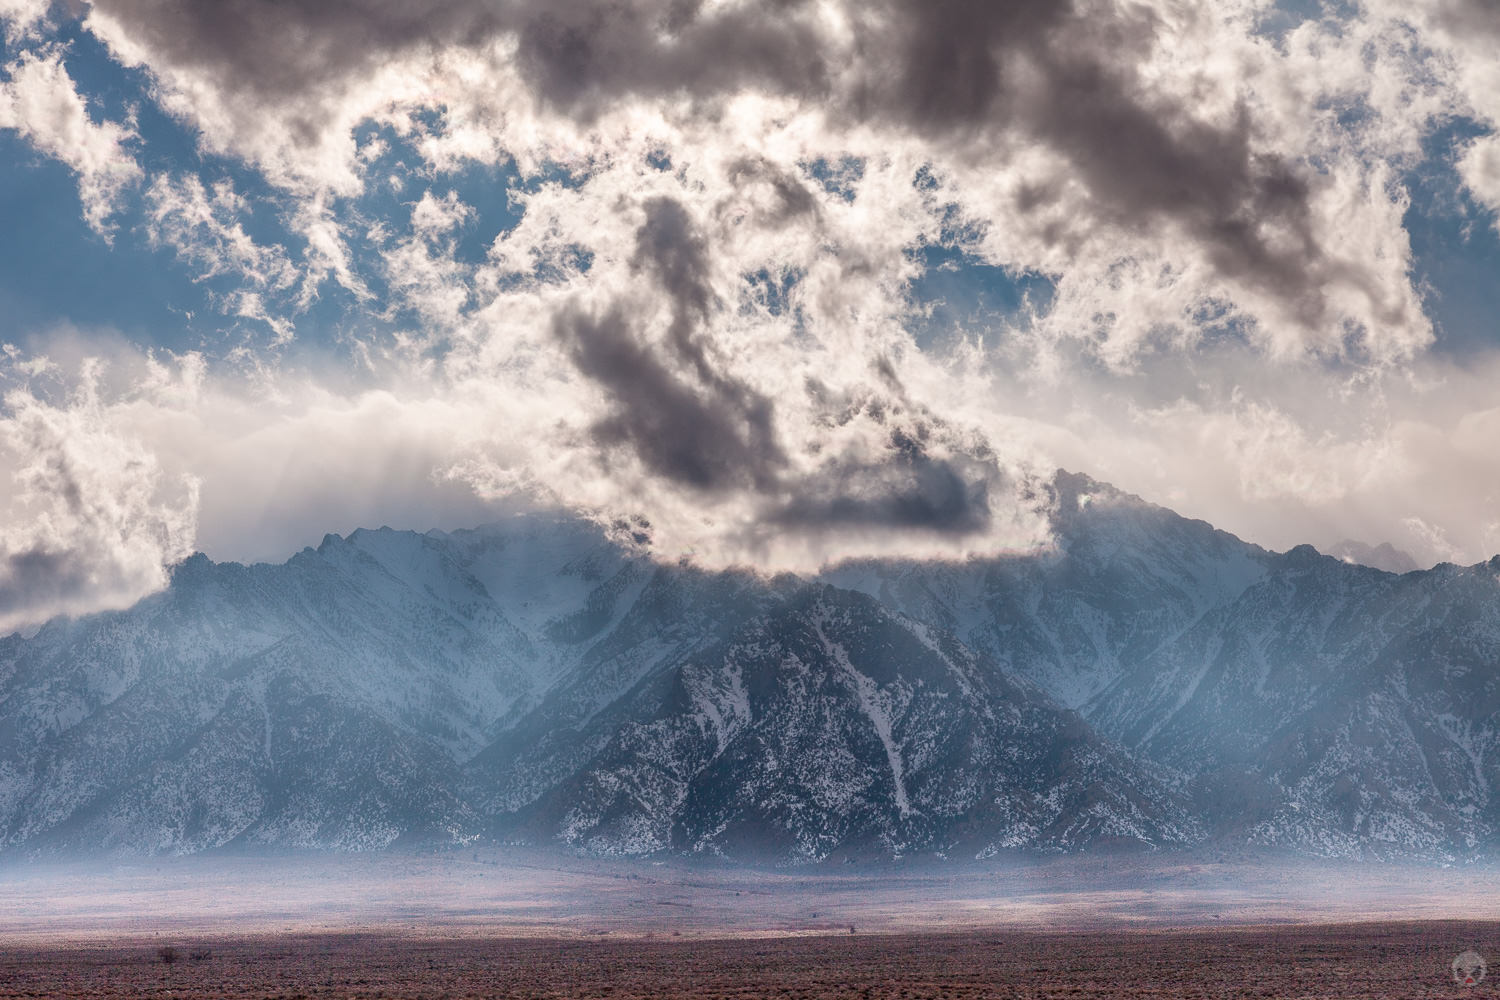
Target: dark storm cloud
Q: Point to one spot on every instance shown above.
(683, 417)
(711, 434)
(1143, 164)
(907, 488)
(910, 491)
(947, 57)
(280, 48)
(577, 54)
(672, 251)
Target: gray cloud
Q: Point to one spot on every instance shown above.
(948, 58)
(708, 430)
(669, 248)
(905, 487)
(292, 49)
(700, 427)
(969, 70)
(578, 54)
(1470, 16)
(1143, 163)
(713, 433)
(42, 578)
(910, 491)
(793, 199)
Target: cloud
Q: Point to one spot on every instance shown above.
(434, 217)
(713, 435)
(1152, 160)
(575, 55)
(22, 17)
(1069, 75)
(740, 469)
(908, 490)
(89, 522)
(201, 224)
(1468, 16)
(1285, 456)
(40, 101)
(202, 227)
(1480, 169)
(701, 305)
(1456, 60)
(703, 428)
(1152, 150)
(120, 464)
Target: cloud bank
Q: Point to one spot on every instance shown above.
(699, 310)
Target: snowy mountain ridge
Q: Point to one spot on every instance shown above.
(1152, 683)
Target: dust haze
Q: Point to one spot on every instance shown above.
(538, 893)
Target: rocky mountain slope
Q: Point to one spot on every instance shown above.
(1345, 710)
(1152, 683)
(834, 725)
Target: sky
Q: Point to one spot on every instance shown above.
(767, 284)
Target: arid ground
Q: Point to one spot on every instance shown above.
(514, 924)
(1344, 961)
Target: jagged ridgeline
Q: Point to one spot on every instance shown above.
(1152, 684)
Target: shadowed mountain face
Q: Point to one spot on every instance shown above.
(1348, 711)
(832, 724)
(1152, 683)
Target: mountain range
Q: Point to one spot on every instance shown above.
(1150, 683)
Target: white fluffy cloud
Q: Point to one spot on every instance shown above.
(1444, 64)
(40, 101)
(202, 226)
(21, 18)
(88, 521)
(1481, 171)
